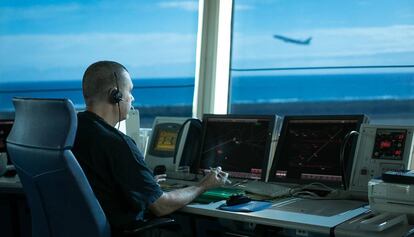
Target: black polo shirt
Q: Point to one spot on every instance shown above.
(115, 168)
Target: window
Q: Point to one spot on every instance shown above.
(324, 57)
(45, 46)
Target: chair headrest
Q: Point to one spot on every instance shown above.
(43, 123)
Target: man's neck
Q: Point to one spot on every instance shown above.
(105, 112)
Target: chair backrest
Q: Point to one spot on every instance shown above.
(61, 200)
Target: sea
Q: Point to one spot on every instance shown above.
(246, 91)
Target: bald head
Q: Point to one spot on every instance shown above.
(100, 78)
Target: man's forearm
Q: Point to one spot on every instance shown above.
(174, 200)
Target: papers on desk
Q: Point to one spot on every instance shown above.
(246, 207)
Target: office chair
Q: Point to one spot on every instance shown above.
(60, 198)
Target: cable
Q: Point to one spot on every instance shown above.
(119, 107)
(326, 187)
(299, 192)
(342, 158)
(306, 194)
(119, 115)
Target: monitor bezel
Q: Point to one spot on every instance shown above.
(270, 118)
(360, 118)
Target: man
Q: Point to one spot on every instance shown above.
(120, 179)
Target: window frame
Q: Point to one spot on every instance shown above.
(212, 76)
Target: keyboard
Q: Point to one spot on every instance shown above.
(181, 176)
(265, 189)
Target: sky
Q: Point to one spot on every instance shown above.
(52, 40)
(344, 33)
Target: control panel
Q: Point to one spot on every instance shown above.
(380, 148)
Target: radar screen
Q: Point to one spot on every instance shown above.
(309, 149)
(239, 144)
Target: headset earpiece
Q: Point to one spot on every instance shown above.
(115, 96)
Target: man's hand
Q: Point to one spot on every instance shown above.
(160, 178)
(174, 200)
(214, 179)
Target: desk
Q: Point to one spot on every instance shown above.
(289, 213)
(279, 218)
(314, 216)
(310, 217)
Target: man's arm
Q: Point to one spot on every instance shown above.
(174, 200)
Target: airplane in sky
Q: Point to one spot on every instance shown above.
(294, 41)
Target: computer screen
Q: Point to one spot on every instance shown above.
(309, 149)
(5, 127)
(240, 144)
(164, 139)
(162, 142)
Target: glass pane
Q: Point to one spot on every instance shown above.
(324, 57)
(45, 46)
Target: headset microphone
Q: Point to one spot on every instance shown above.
(130, 108)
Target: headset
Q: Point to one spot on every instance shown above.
(115, 95)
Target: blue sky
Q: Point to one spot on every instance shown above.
(156, 38)
(344, 33)
(59, 39)
(128, 16)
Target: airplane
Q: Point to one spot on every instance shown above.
(295, 41)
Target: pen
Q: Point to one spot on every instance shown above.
(220, 174)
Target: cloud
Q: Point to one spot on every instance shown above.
(37, 12)
(243, 7)
(183, 5)
(156, 53)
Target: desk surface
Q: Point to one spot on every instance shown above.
(319, 216)
(276, 217)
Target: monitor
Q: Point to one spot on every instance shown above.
(162, 142)
(309, 149)
(240, 144)
(5, 128)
